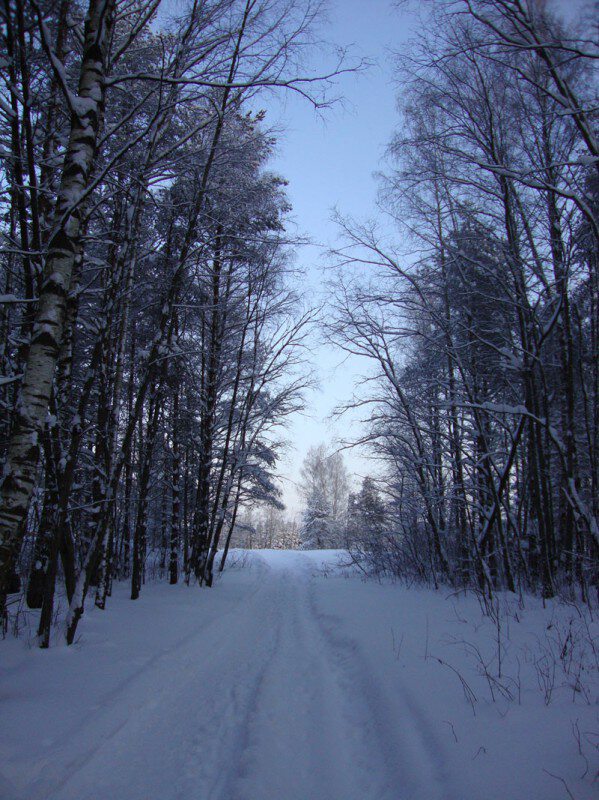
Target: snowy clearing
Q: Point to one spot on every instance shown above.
(293, 681)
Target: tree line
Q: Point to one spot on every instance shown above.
(152, 342)
(482, 323)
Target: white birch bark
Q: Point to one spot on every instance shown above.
(20, 470)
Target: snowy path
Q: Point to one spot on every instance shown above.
(263, 694)
(275, 686)
(310, 731)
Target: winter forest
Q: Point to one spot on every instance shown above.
(424, 624)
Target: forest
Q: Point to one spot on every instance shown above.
(157, 341)
(484, 393)
(152, 342)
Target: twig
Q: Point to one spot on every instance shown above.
(558, 778)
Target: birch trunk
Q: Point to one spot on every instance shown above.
(21, 467)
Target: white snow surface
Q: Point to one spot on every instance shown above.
(292, 680)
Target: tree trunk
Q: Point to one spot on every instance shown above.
(21, 467)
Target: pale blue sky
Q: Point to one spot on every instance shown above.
(329, 160)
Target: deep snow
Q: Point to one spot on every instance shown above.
(291, 680)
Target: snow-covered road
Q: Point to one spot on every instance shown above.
(283, 683)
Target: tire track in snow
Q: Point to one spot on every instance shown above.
(178, 695)
(320, 727)
(408, 742)
(294, 744)
(219, 742)
(117, 709)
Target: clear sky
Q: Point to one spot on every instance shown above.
(329, 159)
